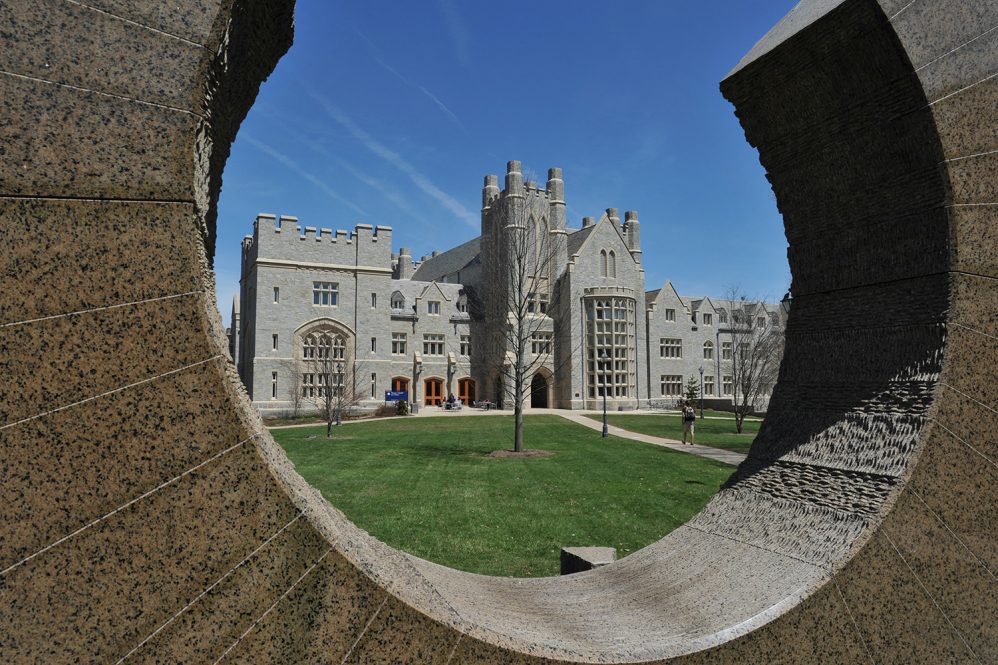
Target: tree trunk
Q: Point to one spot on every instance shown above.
(739, 421)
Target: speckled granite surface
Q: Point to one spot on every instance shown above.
(146, 517)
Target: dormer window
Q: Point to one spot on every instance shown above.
(708, 319)
(433, 307)
(398, 301)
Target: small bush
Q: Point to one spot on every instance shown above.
(402, 408)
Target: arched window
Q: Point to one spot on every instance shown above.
(708, 350)
(602, 263)
(398, 300)
(612, 270)
(542, 242)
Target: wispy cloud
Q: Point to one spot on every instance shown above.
(458, 31)
(399, 162)
(294, 166)
(406, 80)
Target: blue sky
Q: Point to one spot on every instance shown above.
(391, 113)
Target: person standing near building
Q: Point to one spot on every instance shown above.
(689, 423)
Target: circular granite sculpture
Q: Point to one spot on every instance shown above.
(148, 517)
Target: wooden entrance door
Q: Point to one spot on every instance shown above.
(466, 391)
(433, 392)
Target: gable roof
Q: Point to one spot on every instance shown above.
(577, 238)
(448, 262)
(585, 240)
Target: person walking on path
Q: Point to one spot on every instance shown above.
(689, 423)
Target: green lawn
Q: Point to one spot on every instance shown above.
(716, 433)
(428, 486)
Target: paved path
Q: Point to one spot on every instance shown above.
(718, 454)
(578, 417)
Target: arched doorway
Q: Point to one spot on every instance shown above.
(433, 392)
(466, 391)
(538, 392)
(400, 384)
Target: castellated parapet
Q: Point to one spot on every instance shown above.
(283, 239)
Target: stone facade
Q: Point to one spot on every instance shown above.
(412, 325)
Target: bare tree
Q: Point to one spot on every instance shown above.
(518, 261)
(756, 352)
(295, 370)
(336, 390)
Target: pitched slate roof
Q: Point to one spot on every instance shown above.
(577, 237)
(448, 262)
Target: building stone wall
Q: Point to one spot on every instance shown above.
(600, 262)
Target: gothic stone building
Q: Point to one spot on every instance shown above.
(389, 323)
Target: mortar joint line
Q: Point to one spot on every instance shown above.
(957, 538)
(973, 156)
(102, 93)
(962, 90)
(208, 590)
(902, 10)
(364, 631)
(453, 650)
(91, 310)
(827, 568)
(95, 199)
(136, 23)
(272, 606)
(111, 392)
(929, 595)
(974, 330)
(855, 625)
(961, 440)
(954, 50)
(126, 505)
(963, 394)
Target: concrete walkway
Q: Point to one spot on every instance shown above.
(717, 454)
(578, 417)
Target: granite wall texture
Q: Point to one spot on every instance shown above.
(147, 517)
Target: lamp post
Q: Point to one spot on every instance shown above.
(701, 392)
(602, 357)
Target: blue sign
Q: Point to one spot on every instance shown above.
(396, 396)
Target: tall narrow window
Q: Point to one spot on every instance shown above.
(274, 338)
(374, 385)
(602, 263)
(374, 345)
(277, 294)
(374, 300)
(273, 385)
(612, 265)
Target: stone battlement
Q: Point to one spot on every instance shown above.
(284, 238)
